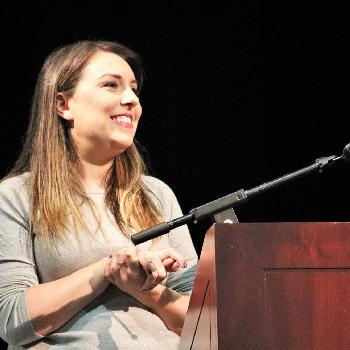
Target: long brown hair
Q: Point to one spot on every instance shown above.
(49, 153)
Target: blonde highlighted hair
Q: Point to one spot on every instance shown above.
(49, 154)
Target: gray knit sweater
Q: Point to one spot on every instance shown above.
(114, 320)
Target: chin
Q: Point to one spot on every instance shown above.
(121, 147)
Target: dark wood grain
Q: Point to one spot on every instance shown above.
(274, 286)
(200, 320)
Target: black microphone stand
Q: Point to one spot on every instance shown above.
(222, 207)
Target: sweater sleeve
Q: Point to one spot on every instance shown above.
(17, 266)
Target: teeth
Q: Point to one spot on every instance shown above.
(122, 119)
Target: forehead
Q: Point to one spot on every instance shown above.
(107, 63)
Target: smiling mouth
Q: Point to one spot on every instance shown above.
(122, 120)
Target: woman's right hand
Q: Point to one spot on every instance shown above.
(133, 270)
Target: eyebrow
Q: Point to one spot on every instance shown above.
(117, 76)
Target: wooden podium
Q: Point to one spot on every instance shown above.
(271, 286)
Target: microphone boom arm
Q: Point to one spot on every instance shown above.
(230, 201)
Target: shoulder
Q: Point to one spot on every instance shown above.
(15, 183)
(163, 196)
(14, 189)
(159, 188)
(155, 183)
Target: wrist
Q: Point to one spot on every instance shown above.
(100, 278)
(151, 297)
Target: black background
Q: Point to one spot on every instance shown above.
(235, 95)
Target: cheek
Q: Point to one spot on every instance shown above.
(88, 100)
(106, 105)
(138, 112)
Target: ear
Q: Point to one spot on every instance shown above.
(63, 107)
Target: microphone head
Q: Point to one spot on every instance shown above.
(346, 152)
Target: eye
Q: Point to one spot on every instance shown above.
(111, 84)
(136, 91)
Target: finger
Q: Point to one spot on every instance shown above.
(128, 261)
(114, 269)
(159, 266)
(173, 254)
(176, 266)
(149, 268)
(145, 261)
(127, 256)
(107, 269)
(153, 267)
(170, 265)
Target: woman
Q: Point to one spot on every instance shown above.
(70, 276)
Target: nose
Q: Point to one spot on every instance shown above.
(129, 97)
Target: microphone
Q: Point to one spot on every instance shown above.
(346, 152)
(236, 198)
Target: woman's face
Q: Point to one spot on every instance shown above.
(104, 108)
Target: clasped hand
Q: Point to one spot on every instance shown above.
(133, 270)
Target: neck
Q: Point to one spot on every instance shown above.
(92, 176)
